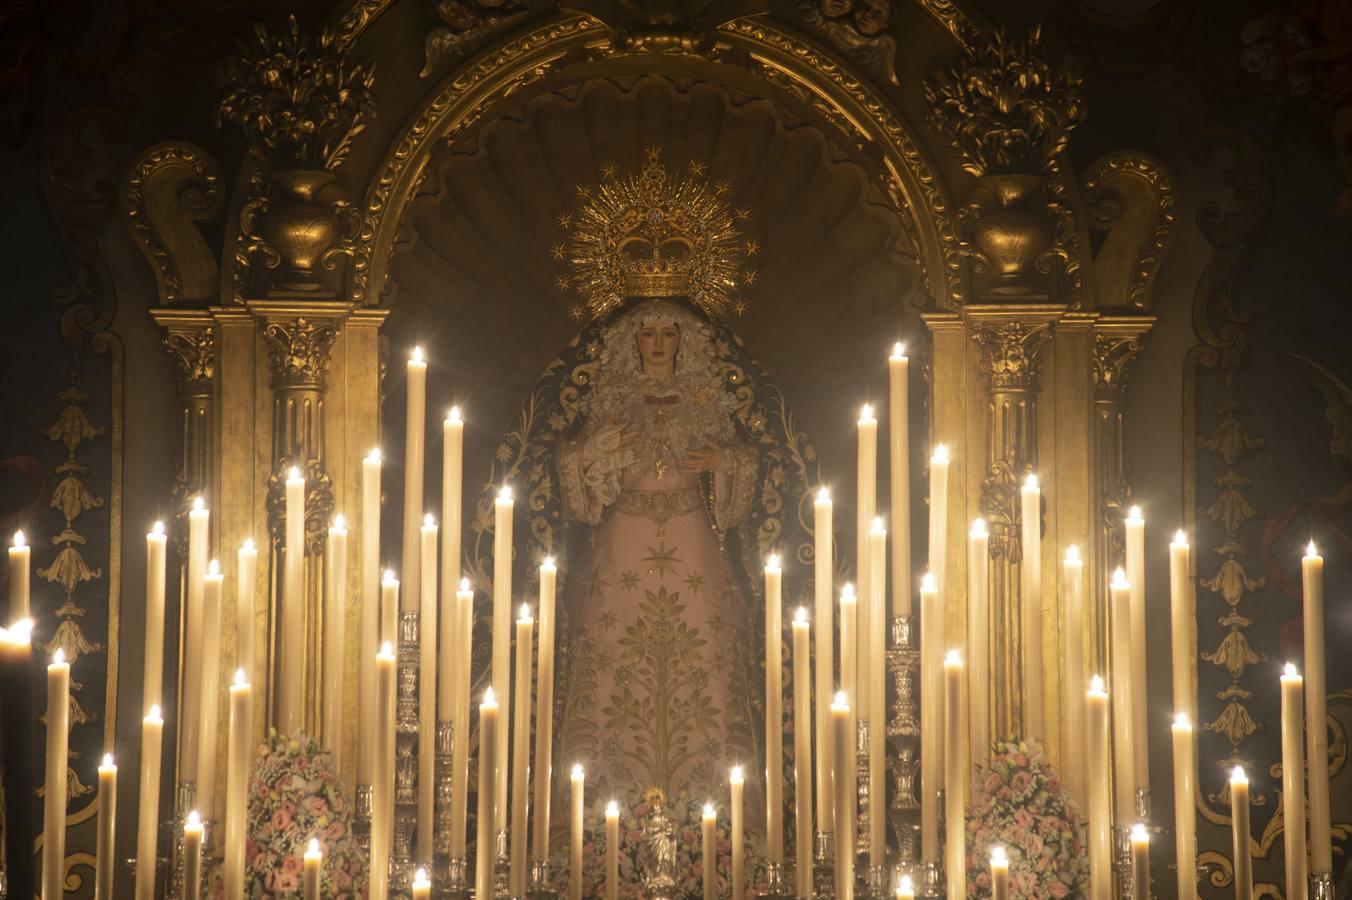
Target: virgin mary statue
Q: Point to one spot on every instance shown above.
(660, 468)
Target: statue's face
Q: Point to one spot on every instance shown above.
(872, 16)
(657, 343)
(834, 9)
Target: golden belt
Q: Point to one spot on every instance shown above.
(658, 505)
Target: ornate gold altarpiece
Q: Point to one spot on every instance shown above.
(278, 344)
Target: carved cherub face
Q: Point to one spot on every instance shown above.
(834, 9)
(657, 345)
(872, 16)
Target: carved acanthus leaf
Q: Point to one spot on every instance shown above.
(1113, 357)
(1011, 353)
(318, 504)
(299, 351)
(194, 355)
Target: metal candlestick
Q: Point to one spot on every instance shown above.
(361, 818)
(931, 883)
(1143, 805)
(541, 885)
(502, 866)
(777, 886)
(903, 738)
(405, 755)
(1122, 863)
(875, 882)
(1321, 886)
(903, 661)
(441, 835)
(824, 866)
(183, 804)
(457, 886)
(863, 803)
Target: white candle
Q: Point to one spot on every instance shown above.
(955, 791)
(802, 752)
(427, 688)
(999, 874)
(824, 613)
(414, 435)
(148, 811)
(931, 716)
(1239, 822)
(905, 888)
(866, 505)
(1185, 819)
(1140, 862)
(192, 856)
(190, 662)
(876, 675)
(107, 829)
(1140, 721)
(708, 853)
(736, 787)
(1099, 792)
(1316, 712)
(238, 759)
(899, 439)
(502, 617)
(938, 518)
(613, 851)
(212, 585)
(978, 640)
(1034, 720)
(1072, 594)
(842, 733)
(245, 606)
(460, 659)
(1293, 782)
(54, 796)
(152, 684)
(389, 607)
(579, 780)
(452, 482)
(335, 638)
(1124, 770)
(488, 817)
(1182, 615)
(774, 710)
(291, 719)
(521, 746)
(382, 785)
(849, 640)
(20, 558)
(370, 636)
(312, 863)
(421, 887)
(544, 713)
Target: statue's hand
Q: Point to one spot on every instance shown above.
(710, 459)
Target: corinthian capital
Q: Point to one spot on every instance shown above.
(299, 351)
(194, 353)
(1011, 353)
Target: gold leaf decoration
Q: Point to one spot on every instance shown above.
(1234, 654)
(1234, 722)
(69, 570)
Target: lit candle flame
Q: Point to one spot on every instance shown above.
(525, 613)
(464, 584)
(800, 615)
(979, 528)
(772, 561)
(339, 523)
(1310, 550)
(735, 776)
(940, 453)
(20, 540)
(108, 761)
(1182, 721)
(198, 504)
(157, 528)
(489, 698)
(906, 886)
(314, 848)
(454, 415)
(823, 495)
(548, 563)
(214, 569)
(1139, 835)
(194, 821)
(59, 657)
(613, 809)
(389, 577)
(1031, 482)
(709, 811)
(898, 350)
(578, 773)
(428, 521)
(249, 544)
(1073, 553)
(1096, 685)
(293, 474)
(879, 526)
(1119, 578)
(1237, 776)
(505, 493)
(1289, 671)
(1134, 513)
(927, 582)
(374, 456)
(1180, 539)
(841, 702)
(417, 355)
(240, 678)
(953, 657)
(386, 649)
(866, 413)
(847, 594)
(154, 713)
(998, 856)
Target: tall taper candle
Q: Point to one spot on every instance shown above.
(54, 787)
(849, 645)
(1140, 720)
(736, 832)
(414, 435)
(1316, 712)
(866, 506)
(931, 716)
(192, 856)
(152, 682)
(955, 791)
(905, 888)
(452, 486)
(190, 697)
(370, 635)
(19, 708)
(148, 811)
(460, 659)
(238, 759)
(774, 710)
(1099, 792)
(1239, 827)
(489, 805)
(938, 517)
(876, 638)
(1072, 602)
(823, 610)
(842, 733)
(1185, 818)
(1140, 862)
(502, 620)
(579, 783)
(978, 640)
(20, 560)
(382, 784)
(389, 605)
(107, 825)
(802, 752)
(708, 853)
(427, 689)
(291, 717)
(421, 887)
(1293, 782)
(1124, 769)
(246, 610)
(544, 711)
(212, 586)
(613, 851)
(335, 638)
(1034, 718)
(521, 747)
(313, 862)
(999, 874)
(1182, 613)
(899, 452)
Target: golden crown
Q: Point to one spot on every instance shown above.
(652, 236)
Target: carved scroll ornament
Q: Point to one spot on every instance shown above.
(299, 351)
(1010, 353)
